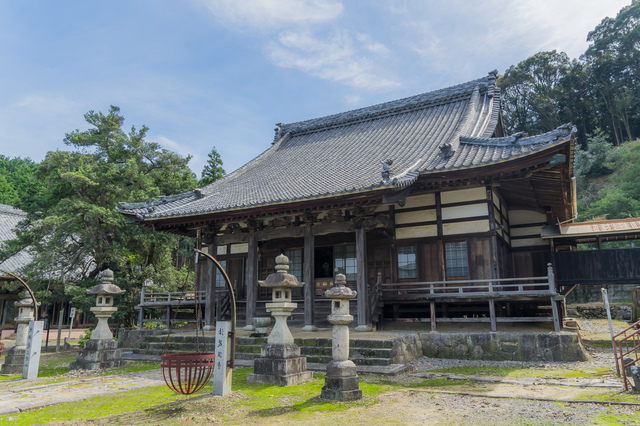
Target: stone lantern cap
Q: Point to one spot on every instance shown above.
(106, 286)
(281, 278)
(340, 290)
(26, 302)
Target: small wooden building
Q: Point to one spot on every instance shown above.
(424, 203)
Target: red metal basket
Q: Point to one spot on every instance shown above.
(187, 373)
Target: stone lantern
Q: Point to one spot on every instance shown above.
(101, 351)
(341, 381)
(280, 362)
(104, 305)
(14, 360)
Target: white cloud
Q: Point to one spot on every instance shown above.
(174, 146)
(272, 14)
(352, 99)
(339, 58)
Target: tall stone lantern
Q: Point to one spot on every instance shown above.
(104, 305)
(14, 360)
(280, 362)
(101, 351)
(341, 381)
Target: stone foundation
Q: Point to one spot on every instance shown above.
(504, 346)
(280, 365)
(341, 382)
(14, 361)
(98, 355)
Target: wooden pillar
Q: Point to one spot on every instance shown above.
(492, 314)
(432, 309)
(210, 288)
(309, 284)
(252, 280)
(364, 310)
(168, 318)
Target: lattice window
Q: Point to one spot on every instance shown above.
(219, 276)
(345, 261)
(295, 262)
(456, 260)
(407, 267)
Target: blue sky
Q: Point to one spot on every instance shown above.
(204, 73)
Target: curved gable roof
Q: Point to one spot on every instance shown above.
(444, 130)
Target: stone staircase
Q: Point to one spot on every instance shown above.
(363, 352)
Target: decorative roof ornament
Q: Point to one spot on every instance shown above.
(386, 170)
(447, 150)
(278, 131)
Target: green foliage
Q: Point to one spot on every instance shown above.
(600, 90)
(612, 196)
(530, 92)
(213, 170)
(84, 339)
(19, 186)
(596, 159)
(77, 232)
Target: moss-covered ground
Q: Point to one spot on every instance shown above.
(264, 404)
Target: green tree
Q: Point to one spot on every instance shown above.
(213, 170)
(614, 60)
(607, 180)
(530, 91)
(19, 186)
(79, 233)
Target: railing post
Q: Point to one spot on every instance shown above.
(551, 278)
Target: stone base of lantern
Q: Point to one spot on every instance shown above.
(280, 365)
(14, 361)
(98, 355)
(341, 382)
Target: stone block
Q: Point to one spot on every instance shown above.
(287, 380)
(280, 351)
(98, 355)
(13, 361)
(279, 366)
(341, 395)
(341, 368)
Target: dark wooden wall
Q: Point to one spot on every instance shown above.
(615, 266)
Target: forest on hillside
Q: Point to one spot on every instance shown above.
(74, 231)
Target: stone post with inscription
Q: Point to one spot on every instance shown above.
(280, 362)
(341, 381)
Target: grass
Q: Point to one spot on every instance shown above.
(156, 404)
(523, 372)
(609, 396)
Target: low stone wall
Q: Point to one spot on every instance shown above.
(503, 346)
(599, 311)
(406, 348)
(133, 338)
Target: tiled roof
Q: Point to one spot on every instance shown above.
(9, 219)
(448, 129)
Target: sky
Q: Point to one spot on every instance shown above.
(220, 73)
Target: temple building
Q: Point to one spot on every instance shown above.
(425, 204)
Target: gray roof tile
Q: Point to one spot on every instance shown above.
(9, 219)
(343, 153)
